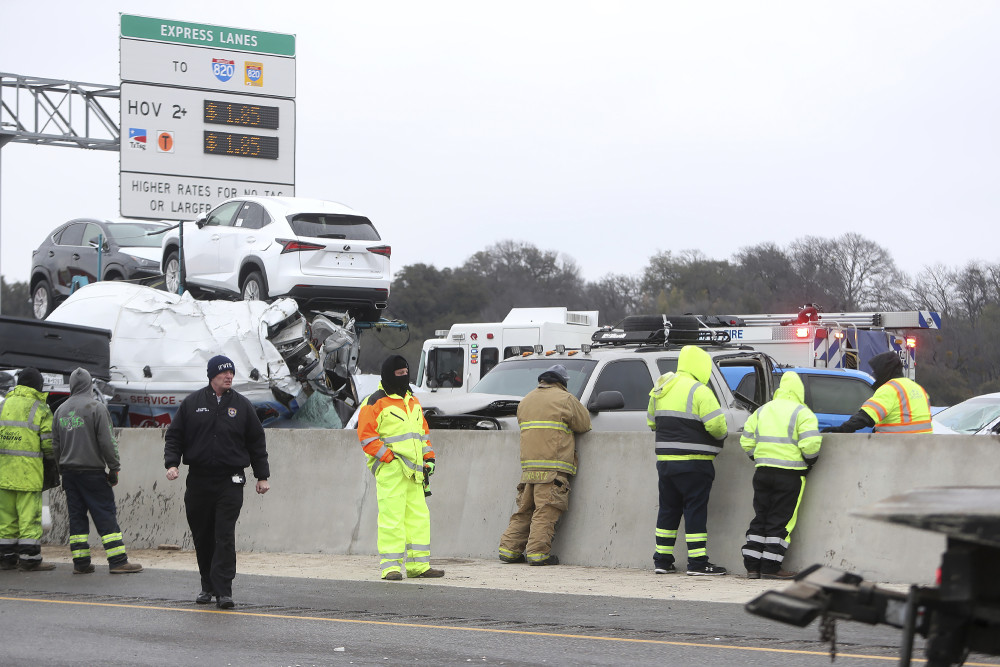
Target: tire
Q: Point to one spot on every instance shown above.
(654, 322)
(254, 288)
(41, 300)
(642, 323)
(172, 273)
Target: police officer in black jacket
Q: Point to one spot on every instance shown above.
(217, 433)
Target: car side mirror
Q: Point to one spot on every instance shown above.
(607, 400)
(201, 222)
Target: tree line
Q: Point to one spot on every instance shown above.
(843, 274)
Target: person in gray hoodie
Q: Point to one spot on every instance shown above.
(84, 445)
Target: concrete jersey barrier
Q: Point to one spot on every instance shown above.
(322, 499)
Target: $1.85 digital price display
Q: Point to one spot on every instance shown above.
(242, 145)
(244, 115)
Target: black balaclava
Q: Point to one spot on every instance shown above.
(392, 383)
(885, 367)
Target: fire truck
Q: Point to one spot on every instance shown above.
(815, 339)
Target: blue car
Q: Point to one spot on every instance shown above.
(833, 394)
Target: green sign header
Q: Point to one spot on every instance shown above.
(205, 34)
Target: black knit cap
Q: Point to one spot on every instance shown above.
(218, 364)
(885, 367)
(30, 377)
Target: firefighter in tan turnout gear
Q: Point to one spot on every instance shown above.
(549, 417)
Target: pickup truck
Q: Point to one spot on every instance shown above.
(612, 381)
(57, 349)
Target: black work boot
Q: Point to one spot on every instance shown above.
(512, 559)
(551, 560)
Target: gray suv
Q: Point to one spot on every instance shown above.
(612, 379)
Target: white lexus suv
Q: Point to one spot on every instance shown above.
(320, 253)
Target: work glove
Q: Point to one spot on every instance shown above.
(112, 477)
(429, 466)
(388, 456)
(831, 429)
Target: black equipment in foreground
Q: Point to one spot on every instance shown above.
(960, 615)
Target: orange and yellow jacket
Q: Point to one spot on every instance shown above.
(900, 406)
(393, 427)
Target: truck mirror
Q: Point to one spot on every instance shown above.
(607, 400)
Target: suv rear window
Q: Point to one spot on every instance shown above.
(135, 234)
(328, 226)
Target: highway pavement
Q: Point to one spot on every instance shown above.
(315, 609)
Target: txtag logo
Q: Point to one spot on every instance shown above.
(254, 74)
(137, 138)
(223, 69)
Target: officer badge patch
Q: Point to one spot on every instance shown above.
(232, 412)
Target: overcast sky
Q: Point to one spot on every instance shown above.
(608, 131)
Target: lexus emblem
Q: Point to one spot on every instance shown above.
(347, 248)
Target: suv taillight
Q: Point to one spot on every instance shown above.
(291, 245)
(384, 250)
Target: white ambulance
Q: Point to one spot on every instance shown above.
(457, 358)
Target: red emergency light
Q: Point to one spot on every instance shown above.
(489, 336)
(911, 342)
(802, 332)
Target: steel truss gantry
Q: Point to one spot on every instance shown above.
(56, 112)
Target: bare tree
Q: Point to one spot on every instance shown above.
(766, 279)
(817, 279)
(615, 296)
(993, 275)
(934, 289)
(973, 290)
(519, 274)
(868, 274)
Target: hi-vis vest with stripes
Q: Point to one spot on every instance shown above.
(900, 406)
(25, 438)
(688, 420)
(782, 434)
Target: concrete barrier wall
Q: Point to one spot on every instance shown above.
(322, 499)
